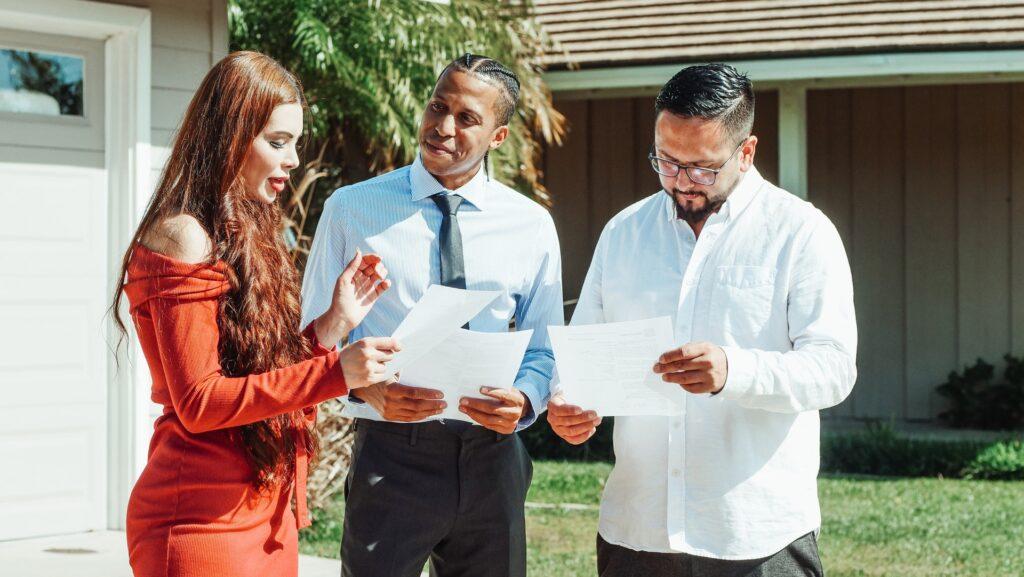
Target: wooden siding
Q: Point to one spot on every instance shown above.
(603, 168)
(189, 36)
(926, 186)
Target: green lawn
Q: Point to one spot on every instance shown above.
(873, 526)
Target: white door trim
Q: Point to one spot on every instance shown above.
(126, 32)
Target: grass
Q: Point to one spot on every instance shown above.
(922, 527)
(873, 526)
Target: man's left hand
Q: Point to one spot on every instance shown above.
(500, 413)
(696, 367)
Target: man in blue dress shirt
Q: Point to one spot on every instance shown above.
(418, 488)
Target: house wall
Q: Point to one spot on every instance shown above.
(102, 429)
(926, 187)
(603, 168)
(189, 36)
(186, 38)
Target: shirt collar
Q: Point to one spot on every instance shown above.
(424, 185)
(735, 204)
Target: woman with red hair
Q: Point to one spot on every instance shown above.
(214, 297)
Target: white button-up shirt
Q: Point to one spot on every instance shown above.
(509, 245)
(735, 476)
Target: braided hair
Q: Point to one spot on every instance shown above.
(495, 73)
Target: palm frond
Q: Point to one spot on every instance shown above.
(368, 68)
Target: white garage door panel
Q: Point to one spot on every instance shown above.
(63, 490)
(60, 221)
(68, 374)
(53, 300)
(60, 209)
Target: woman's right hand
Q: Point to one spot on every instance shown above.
(357, 289)
(363, 362)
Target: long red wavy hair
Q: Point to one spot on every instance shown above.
(259, 317)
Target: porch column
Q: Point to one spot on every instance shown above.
(793, 139)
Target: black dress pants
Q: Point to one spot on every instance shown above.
(418, 492)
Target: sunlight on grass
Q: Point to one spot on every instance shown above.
(873, 527)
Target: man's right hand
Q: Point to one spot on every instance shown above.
(397, 402)
(571, 422)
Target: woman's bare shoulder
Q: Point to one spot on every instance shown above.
(180, 237)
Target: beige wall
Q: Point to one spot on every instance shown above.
(189, 36)
(603, 168)
(926, 186)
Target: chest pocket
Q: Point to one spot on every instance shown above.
(741, 299)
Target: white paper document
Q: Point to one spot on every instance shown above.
(438, 314)
(609, 368)
(466, 361)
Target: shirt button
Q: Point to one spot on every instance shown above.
(677, 425)
(677, 473)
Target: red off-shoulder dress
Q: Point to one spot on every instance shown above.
(194, 511)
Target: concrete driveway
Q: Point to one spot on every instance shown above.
(99, 554)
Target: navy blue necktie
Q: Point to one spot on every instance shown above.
(453, 269)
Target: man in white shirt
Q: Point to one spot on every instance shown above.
(759, 289)
(444, 491)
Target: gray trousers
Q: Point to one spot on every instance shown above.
(799, 559)
(428, 491)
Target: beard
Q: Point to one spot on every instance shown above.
(692, 214)
(712, 204)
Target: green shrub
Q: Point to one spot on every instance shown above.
(998, 461)
(876, 450)
(879, 450)
(543, 444)
(979, 403)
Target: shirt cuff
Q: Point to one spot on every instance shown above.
(358, 410)
(536, 404)
(742, 371)
(319, 349)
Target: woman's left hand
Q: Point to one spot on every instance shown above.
(357, 289)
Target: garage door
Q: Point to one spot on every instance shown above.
(53, 285)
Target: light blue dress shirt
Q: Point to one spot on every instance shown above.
(509, 245)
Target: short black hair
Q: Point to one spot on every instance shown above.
(492, 72)
(711, 92)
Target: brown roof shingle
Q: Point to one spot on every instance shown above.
(601, 33)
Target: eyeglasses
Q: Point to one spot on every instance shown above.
(696, 174)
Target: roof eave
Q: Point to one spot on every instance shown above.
(776, 70)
